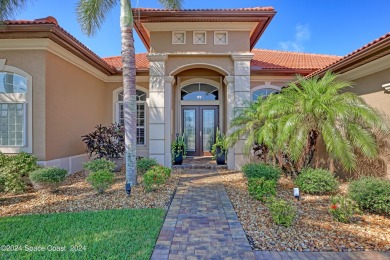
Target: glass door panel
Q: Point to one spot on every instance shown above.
(189, 119)
(208, 130)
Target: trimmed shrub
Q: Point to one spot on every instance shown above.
(316, 181)
(261, 189)
(99, 165)
(343, 209)
(371, 194)
(47, 178)
(259, 170)
(145, 164)
(101, 180)
(283, 212)
(14, 169)
(155, 177)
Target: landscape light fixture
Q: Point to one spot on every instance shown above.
(128, 188)
(296, 193)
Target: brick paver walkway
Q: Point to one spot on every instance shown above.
(202, 224)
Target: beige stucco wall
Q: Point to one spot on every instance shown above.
(75, 104)
(213, 62)
(238, 41)
(33, 62)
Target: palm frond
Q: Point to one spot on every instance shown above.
(92, 13)
(9, 8)
(172, 4)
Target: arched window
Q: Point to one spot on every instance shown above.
(141, 114)
(15, 104)
(199, 92)
(263, 92)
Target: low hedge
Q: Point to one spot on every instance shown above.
(371, 194)
(316, 181)
(259, 170)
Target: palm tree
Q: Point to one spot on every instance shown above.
(91, 15)
(8, 8)
(288, 126)
(320, 108)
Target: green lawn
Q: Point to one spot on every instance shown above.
(111, 234)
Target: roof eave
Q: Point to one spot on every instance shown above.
(61, 37)
(142, 16)
(357, 58)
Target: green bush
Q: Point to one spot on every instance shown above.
(371, 194)
(48, 175)
(259, 170)
(47, 178)
(282, 212)
(101, 164)
(14, 168)
(101, 180)
(261, 189)
(145, 164)
(155, 177)
(316, 181)
(343, 209)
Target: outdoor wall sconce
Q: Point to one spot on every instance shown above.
(296, 193)
(386, 87)
(128, 188)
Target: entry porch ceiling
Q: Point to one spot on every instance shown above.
(254, 20)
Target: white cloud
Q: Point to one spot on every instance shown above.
(302, 34)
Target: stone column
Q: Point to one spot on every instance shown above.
(229, 81)
(159, 109)
(241, 92)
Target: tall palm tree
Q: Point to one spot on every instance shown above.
(320, 108)
(91, 15)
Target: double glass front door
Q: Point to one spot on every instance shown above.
(199, 126)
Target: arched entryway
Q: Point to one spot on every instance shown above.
(199, 108)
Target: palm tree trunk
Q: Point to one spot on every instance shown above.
(129, 91)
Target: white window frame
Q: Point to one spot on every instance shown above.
(266, 86)
(116, 110)
(173, 37)
(194, 37)
(19, 98)
(219, 43)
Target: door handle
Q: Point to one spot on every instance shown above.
(200, 133)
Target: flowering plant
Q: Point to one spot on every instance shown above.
(343, 209)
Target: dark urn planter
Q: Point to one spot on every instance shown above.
(178, 158)
(220, 156)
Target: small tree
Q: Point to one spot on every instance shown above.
(291, 123)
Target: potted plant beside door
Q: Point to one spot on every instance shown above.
(220, 148)
(179, 150)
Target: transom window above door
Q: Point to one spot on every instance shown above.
(199, 92)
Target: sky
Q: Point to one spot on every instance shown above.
(335, 27)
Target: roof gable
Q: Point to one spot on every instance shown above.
(262, 16)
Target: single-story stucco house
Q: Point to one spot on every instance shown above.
(201, 65)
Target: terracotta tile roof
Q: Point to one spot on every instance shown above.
(47, 20)
(259, 8)
(141, 62)
(263, 59)
(355, 54)
(64, 34)
(272, 59)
